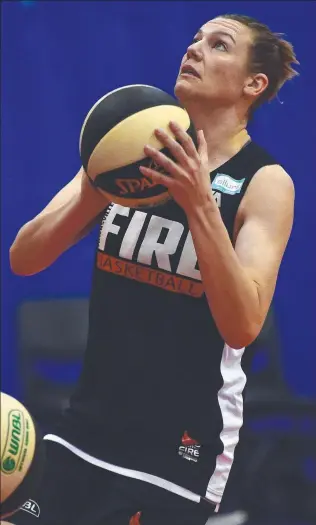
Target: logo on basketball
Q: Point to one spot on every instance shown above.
(14, 442)
(138, 184)
(32, 507)
(190, 448)
(8, 465)
(133, 185)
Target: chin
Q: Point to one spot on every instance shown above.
(184, 90)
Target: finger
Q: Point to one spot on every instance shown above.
(185, 140)
(162, 160)
(156, 177)
(173, 146)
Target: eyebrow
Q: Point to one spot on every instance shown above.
(219, 32)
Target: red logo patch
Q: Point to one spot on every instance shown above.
(135, 520)
(187, 440)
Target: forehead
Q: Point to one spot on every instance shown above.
(238, 31)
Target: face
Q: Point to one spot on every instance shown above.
(215, 67)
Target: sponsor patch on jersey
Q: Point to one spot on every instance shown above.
(227, 184)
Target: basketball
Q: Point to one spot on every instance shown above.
(21, 454)
(113, 137)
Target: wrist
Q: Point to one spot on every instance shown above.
(90, 194)
(206, 208)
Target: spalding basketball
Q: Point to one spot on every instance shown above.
(22, 455)
(113, 137)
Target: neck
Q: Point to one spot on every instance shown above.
(224, 131)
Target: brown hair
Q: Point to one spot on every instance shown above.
(270, 54)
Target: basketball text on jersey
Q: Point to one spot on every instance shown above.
(142, 255)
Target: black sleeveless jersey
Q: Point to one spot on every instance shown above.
(160, 393)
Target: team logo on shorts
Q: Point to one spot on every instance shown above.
(32, 507)
(190, 448)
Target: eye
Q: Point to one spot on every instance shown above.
(195, 40)
(220, 45)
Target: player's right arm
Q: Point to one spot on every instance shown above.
(69, 216)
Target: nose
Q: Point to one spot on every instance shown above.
(194, 51)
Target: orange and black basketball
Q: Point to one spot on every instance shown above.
(113, 137)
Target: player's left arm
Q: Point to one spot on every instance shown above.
(240, 280)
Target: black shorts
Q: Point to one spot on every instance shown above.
(75, 492)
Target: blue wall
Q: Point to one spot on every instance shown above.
(58, 58)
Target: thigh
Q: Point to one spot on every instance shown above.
(195, 516)
(66, 495)
(180, 513)
(148, 504)
(121, 514)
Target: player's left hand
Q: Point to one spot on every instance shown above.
(188, 179)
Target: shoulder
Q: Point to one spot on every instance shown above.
(256, 157)
(270, 184)
(269, 200)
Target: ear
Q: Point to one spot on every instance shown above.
(255, 85)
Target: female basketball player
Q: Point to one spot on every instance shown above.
(153, 425)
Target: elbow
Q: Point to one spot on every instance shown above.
(240, 341)
(19, 264)
(16, 258)
(243, 337)
(27, 258)
(16, 266)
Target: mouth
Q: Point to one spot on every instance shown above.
(189, 70)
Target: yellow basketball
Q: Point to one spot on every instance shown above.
(21, 454)
(113, 137)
